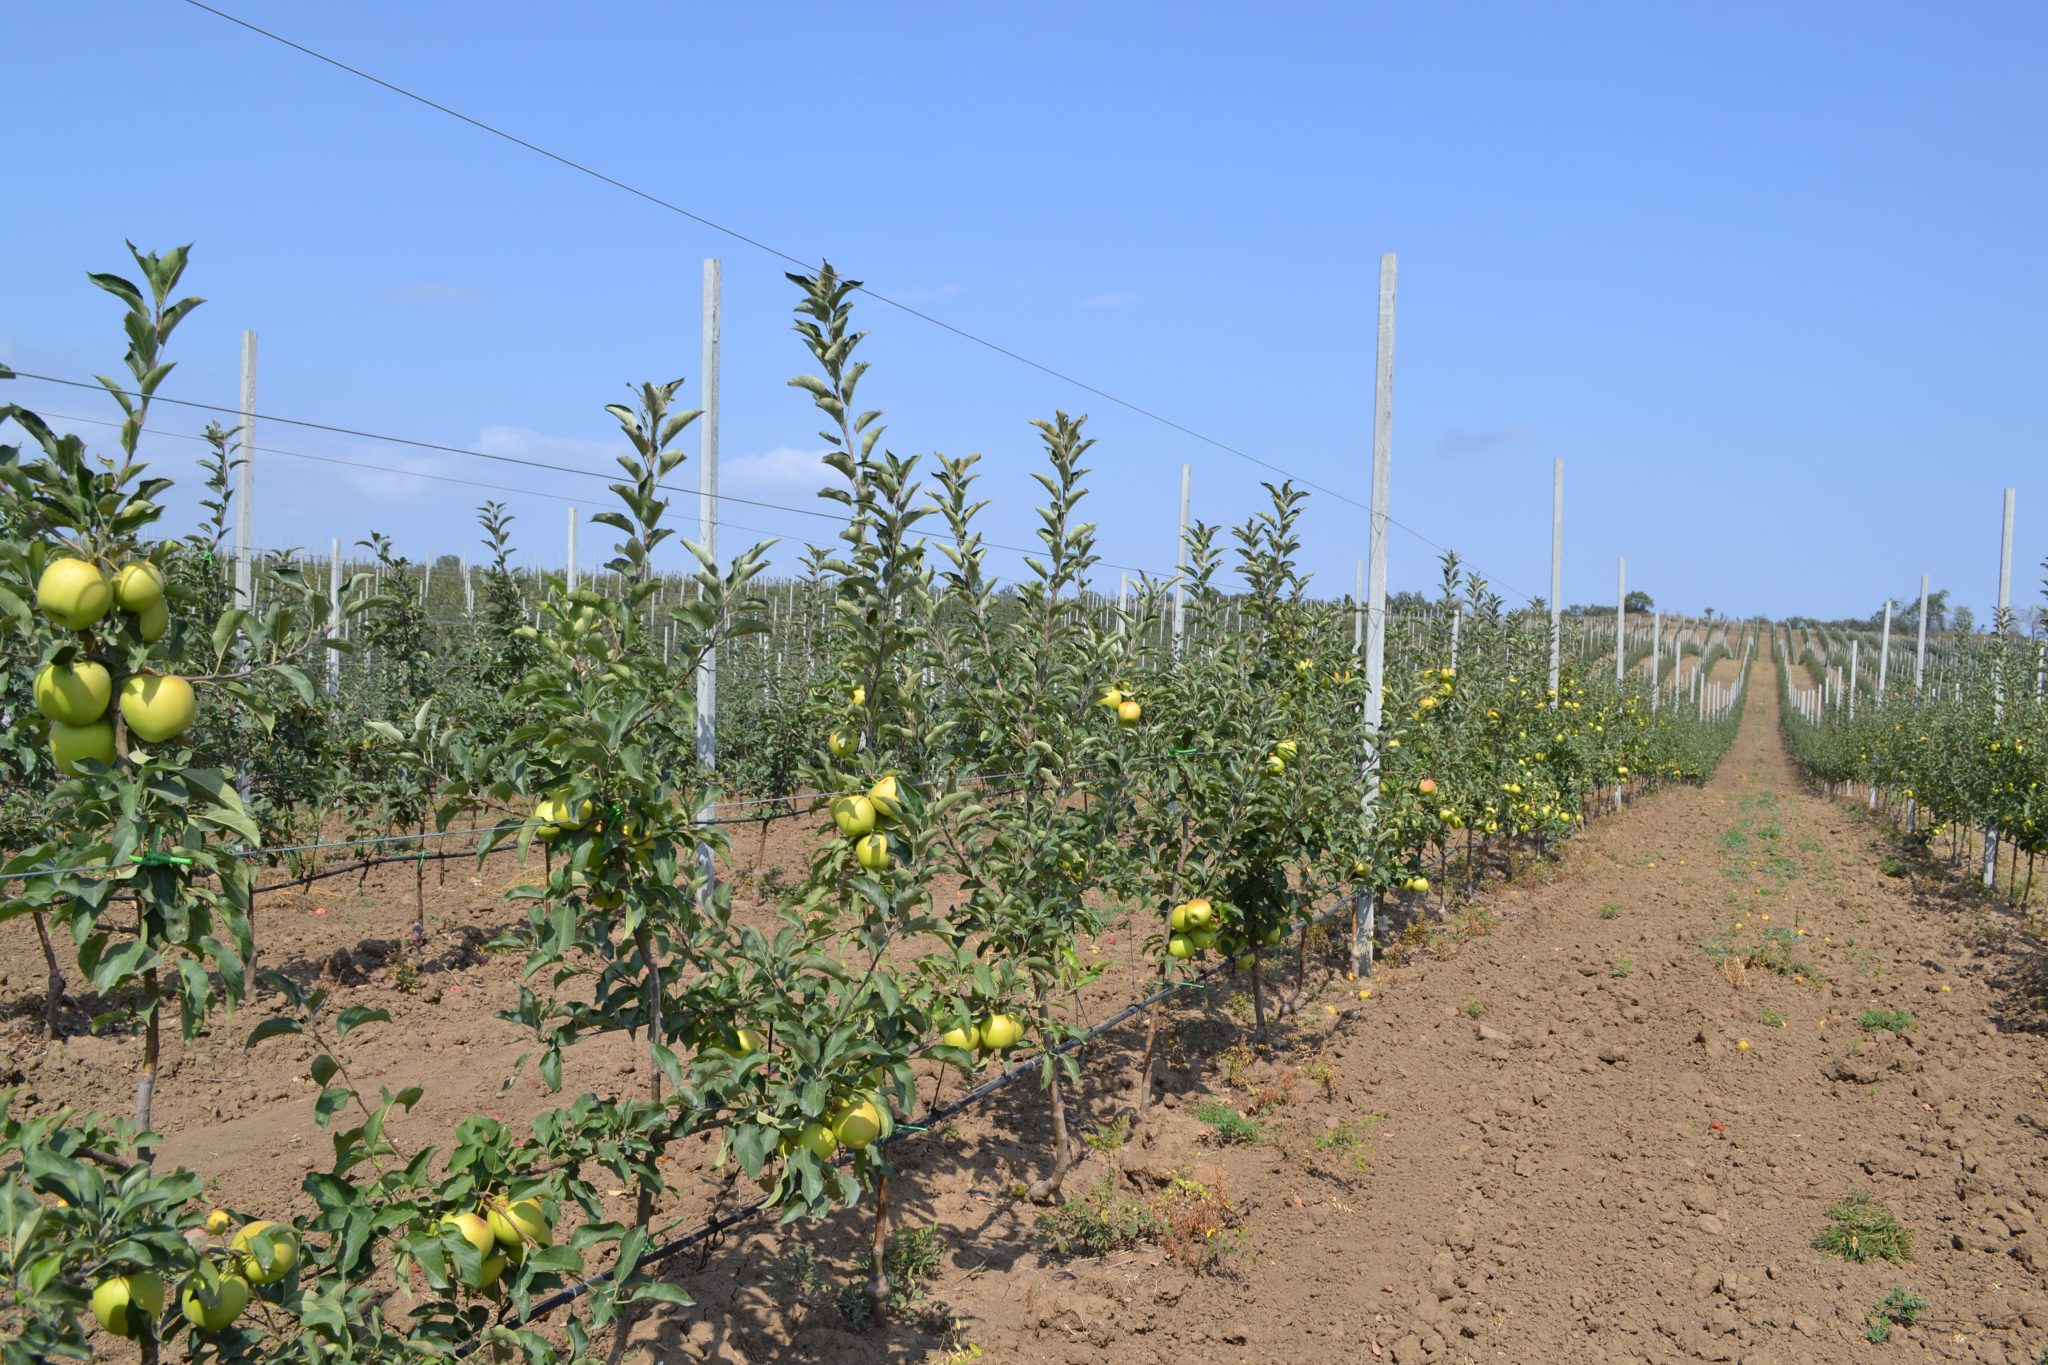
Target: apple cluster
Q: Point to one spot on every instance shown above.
(76, 693)
(261, 1253)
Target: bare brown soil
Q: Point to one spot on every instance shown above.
(1539, 1137)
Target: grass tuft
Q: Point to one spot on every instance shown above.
(1860, 1229)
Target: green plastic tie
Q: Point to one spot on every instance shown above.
(156, 859)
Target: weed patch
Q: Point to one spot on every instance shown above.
(1885, 1021)
(1860, 1229)
(1229, 1124)
(1898, 1308)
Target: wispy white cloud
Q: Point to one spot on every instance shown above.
(1458, 442)
(777, 475)
(577, 452)
(1114, 299)
(432, 291)
(926, 295)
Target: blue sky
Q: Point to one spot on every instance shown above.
(1768, 277)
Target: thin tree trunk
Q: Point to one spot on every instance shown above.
(643, 1203)
(1048, 1189)
(1142, 1095)
(55, 995)
(145, 1084)
(878, 1284)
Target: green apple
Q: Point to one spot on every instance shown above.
(872, 852)
(264, 1239)
(158, 706)
(125, 1303)
(519, 1223)
(73, 744)
(75, 693)
(855, 816)
(858, 1124)
(74, 593)
(138, 586)
(212, 1308)
(1000, 1033)
(887, 796)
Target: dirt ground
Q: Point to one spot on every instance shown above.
(1598, 1117)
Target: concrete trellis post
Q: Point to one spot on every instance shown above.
(245, 482)
(1884, 653)
(572, 549)
(1998, 675)
(1656, 654)
(1366, 906)
(1180, 561)
(334, 622)
(1556, 570)
(707, 535)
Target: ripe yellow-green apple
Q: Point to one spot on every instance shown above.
(264, 1240)
(138, 586)
(872, 853)
(1129, 713)
(214, 1307)
(1204, 938)
(1426, 786)
(1287, 749)
(1418, 883)
(858, 1124)
(152, 622)
(74, 593)
(817, 1139)
(76, 693)
(965, 1036)
(887, 797)
(1111, 697)
(1200, 913)
(842, 744)
(1244, 961)
(519, 1223)
(1274, 933)
(855, 816)
(860, 696)
(1275, 764)
(477, 1233)
(553, 815)
(1180, 947)
(158, 706)
(71, 745)
(126, 1302)
(218, 1222)
(1000, 1033)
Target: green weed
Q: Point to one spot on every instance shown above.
(1898, 1308)
(1099, 1222)
(1885, 1021)
(1860, 1229)
(1230, 1125)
